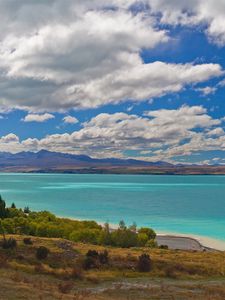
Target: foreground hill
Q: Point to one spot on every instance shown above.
(46, 161)
(174, 274)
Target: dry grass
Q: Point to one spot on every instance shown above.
(175, 274)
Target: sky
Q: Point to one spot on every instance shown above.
(121, 78)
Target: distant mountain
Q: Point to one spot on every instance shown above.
(45, 160)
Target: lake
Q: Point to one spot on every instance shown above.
(175, 204)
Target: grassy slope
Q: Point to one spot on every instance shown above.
(175, 274)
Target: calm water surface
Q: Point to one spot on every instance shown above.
(182, 204)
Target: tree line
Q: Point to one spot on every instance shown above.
(46, 224)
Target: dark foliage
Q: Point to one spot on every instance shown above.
(89, 263)
(94, 259)
(163, 247)
(27, 241)
(42, 252)
(144, 263)
(26, 210)
(92, 253)
(9, 243)
(4, 212)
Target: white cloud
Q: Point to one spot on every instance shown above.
(159, 135)
(209, 14)
(216, 132)
(84, 54)
(141, 82)
(10, 138)
(38, 117)
(206, 90)
(70, 120)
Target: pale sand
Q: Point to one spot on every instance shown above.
(189, 242)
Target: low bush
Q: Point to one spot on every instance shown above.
(9, 244)
(92, 253)
(94, 259)
(42, 253)
(144, 263)
(27, 241)
(89, 263)
(165, 247)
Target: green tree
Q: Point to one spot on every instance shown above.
(3, 210)
(150, 232)
(122, 225)
(142, 239)
(13, 205)
(124, 238)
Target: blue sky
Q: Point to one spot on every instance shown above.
(142, 79)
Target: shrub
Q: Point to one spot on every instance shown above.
(151, 244)
(163, 247)
(9, 244)
(42, 252)
(144, 263)
(27, 241)
(92, 253)
(91, 260)
(89, 263)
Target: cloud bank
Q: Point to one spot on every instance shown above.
(58, 56)
(158, 135)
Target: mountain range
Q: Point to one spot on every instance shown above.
(46, 161)
(51, 160)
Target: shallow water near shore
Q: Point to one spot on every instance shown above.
(193, 205)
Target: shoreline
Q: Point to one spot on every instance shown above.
(177, 240)
(206, 242)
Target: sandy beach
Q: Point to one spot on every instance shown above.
(186, 242)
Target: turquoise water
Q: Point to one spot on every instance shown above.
(181, 204)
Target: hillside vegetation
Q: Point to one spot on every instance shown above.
(46, 224)
(45, 257)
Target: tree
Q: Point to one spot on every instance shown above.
(13, 205)
(3, 210)
(124, 238)
(122, 225)
(133, 227)
(26, 210)
(142, 239)
(2, 230)
(150, 232)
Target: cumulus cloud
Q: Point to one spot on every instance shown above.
(209, 14)
(38, 117)
(70, 120)
(56, 56)
(158, 135)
